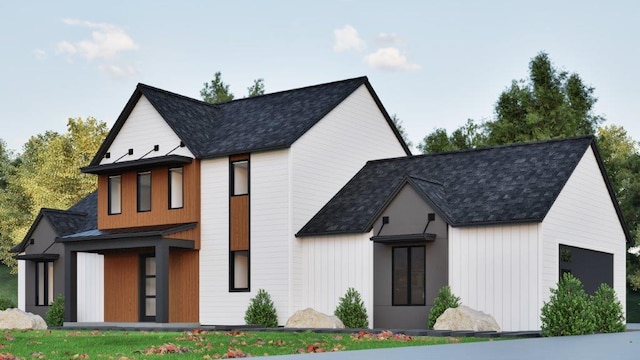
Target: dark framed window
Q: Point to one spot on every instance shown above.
(239, 270)
(240, 178)
(176, 189)
(115, 194)
(147, 287)
(44, 283)
(144, 191)
(408, 278)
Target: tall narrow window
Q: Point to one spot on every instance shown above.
(115, 194)
(408, 276)
(144, 191)
(239, 255)
(44, 283)
(175, 188)
(147, 288)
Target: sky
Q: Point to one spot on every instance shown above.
(434, 64)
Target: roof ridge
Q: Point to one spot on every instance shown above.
(426, 180)
(487, 148)
(171, 93)
(63, 212)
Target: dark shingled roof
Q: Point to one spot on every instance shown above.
(80, 217)
(515, 183)
(266, 122)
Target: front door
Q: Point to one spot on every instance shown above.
(147, 288)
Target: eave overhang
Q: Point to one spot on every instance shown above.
(37, 257)
(112, 168)
(404, 238)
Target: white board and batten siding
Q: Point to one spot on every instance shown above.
(143, 129)
(325, 158)
(22, 301)
(90, 278)
(493, 269)
(331, 265)
(584, 216)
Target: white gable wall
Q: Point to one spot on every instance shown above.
(583, 216)
(325, 158)
(143, 129)
(331, 265)
(494, 269)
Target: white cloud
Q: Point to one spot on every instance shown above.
(40, 54)
(106, 41)
(347, 39)
(390, 58)
(116, 72)
(384, 39)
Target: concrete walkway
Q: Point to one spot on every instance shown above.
(620, 346)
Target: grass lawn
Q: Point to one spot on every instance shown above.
(8, 284)
(64, 344)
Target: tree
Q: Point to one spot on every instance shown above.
(550, 104)
(216, 91)
(256, 89)
(47, 174)
(398, 123)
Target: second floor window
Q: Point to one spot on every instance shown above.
(240, 178)
(115, 194)
(175, 188)
(144, 191)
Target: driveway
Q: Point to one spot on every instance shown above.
(618, 346)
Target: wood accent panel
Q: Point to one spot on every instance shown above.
(239, 222)
(184, 286)
(160, 212)
(239, 157)
(121, 274)
(191, 234)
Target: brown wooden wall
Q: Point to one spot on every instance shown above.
(121, 274)
(160, 212)
(183, 286)
(239, 222)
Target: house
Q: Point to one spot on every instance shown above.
(499, 225)
(41, 271)
(198, 204)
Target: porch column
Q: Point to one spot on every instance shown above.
(162, 283)
(70, 285)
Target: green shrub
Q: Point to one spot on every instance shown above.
(607, 310)
(261, 311)
(351, 310)
(442, 302)
(55, 314)
(6, 303)
(569, 310)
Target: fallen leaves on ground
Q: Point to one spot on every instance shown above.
(7, 356)
(384, 335)
(165, 349)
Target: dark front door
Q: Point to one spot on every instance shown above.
(147, 288)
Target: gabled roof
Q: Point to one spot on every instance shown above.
(80, 217)
(514, 183)
(266, 122)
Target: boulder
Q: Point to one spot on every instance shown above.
(465, 318)
(309, 318)
(18, 319)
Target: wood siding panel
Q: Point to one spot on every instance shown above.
(183, 286)
(583, 216)
(143, 129)
(121, 274)
(160, 212)
(239, 222)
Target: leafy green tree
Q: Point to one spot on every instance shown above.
(443, 301)
(403, 132)
(569, 310)
(47, 174)
(261, 310)
(468, 136)
(216, 91)
(256, 89)
(351, 310)
(607, 310)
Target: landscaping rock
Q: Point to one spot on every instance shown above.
(18, 319)
(309, 318)
(466, 318)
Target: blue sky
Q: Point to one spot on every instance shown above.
(433, 63)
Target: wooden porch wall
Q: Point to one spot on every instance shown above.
(121, 274)
(183, 286)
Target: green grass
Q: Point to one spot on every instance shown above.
(8, 284)
(64, 344)
(633, 306)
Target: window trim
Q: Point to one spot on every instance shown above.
(109, 193)
(48, 288)
(409, 282)
(142, 286)
(170, 183)
(232, 173)
(138, 187)
(232, 268)
(232, 161)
